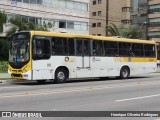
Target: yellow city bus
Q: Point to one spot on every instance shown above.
(39, 55)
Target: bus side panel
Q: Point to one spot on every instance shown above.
(45, 69)
(136, 65)
(104, 66)
(150, 65)
(42, 70)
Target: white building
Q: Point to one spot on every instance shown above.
(71, 16)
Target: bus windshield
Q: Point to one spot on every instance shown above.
(19, 48)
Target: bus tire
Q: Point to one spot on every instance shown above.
(60, 75)
(124, 73)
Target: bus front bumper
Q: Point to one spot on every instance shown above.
(21, 76)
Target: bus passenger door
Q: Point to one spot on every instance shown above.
(83, 57)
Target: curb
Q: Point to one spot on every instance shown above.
(5, 81)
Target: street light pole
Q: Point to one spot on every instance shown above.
(142, 25)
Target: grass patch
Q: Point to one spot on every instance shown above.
(5, 79)
(3, 66)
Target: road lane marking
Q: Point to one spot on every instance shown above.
(14, 87)
(136, 98)
(75, 89)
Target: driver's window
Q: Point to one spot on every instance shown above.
(41, 49)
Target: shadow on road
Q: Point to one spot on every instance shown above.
(49, 82)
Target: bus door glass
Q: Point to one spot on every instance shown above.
(83, 53)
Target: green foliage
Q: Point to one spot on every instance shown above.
(22, 25)
(3, 19)
(3, 66)
(4, 49)
(126, 31)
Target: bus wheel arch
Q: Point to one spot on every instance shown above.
(61, 74)
(124, 72)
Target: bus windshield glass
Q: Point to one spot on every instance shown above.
(19, 48)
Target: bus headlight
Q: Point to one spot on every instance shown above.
(25, 75)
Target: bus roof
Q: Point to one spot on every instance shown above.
(123, 39)
(45, 33)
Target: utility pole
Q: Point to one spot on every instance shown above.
(107, 16)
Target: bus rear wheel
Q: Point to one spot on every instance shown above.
(124, 73)
(60, 75)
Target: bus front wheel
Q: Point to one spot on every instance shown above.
(60, 75)
(124, 73)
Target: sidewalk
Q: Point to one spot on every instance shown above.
(4, 75)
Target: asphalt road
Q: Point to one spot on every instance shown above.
(139, 93)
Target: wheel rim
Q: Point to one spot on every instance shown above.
(61, 76)
(125, 73)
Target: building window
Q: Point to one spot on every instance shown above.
(26, 1)
(69, 4)
(24, 18)
(99, 13)
(77, 25)
(98, 34)
(62, 24)
(31, 19)
(70, 25)
(99, 24)
(39, 1)
(99, 1)
(126, 21)
(84, 26)
(93, 24)
(93, 13)
(94, 2)
(126, 9)
(33, 1)
(84, 6)
(20, 0)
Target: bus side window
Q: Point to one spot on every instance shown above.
(86, 47)
(34, 47)
(79, 47)
(71, 46)
(97, 48)
(150, 50)
(124, 49)
(41, 49)
(59, 46)
(53, 47)
(111, 48)
(137, 49)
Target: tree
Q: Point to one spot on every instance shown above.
(22, 25)
(125, 31)
(4, 46)
(3, 19)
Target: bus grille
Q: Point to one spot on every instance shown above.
(16, 75)
(16, 71)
